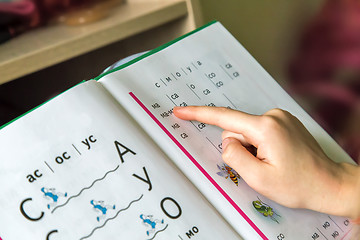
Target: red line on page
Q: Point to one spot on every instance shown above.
(202, 170)
(346, 234)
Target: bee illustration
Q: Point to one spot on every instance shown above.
(226, 171)
(265, 209)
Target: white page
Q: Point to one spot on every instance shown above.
(210, 67)
(81, 169)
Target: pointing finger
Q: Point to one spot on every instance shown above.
(228, 119)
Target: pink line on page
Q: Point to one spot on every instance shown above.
(346, 234)
(202, 170)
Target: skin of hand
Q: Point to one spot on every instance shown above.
(289, 166)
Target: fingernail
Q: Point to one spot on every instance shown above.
(178, 108)
(225, 142)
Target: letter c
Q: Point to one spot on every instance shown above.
(51, 233)
(66, 155)
(26, 215)
(37, 174)
(92, 139)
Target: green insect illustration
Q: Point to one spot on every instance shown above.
(265, 209)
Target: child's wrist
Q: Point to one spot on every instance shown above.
(350, 193)
(341, 191)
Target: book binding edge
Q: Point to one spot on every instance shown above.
(155, 50)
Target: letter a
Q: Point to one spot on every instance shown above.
(121, 154)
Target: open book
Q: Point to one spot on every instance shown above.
(108, 160)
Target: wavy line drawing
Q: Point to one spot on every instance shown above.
(136, 200)
(67, 201)
(159, 231)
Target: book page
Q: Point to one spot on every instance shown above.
(209, 67)
(79, 168)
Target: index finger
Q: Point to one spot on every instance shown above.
(228, 119)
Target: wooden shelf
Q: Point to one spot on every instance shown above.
(47, 46)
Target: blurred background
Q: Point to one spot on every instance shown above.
(311, 47)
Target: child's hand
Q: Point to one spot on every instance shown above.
(289, 166)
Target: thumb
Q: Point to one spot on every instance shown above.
(241, 160)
